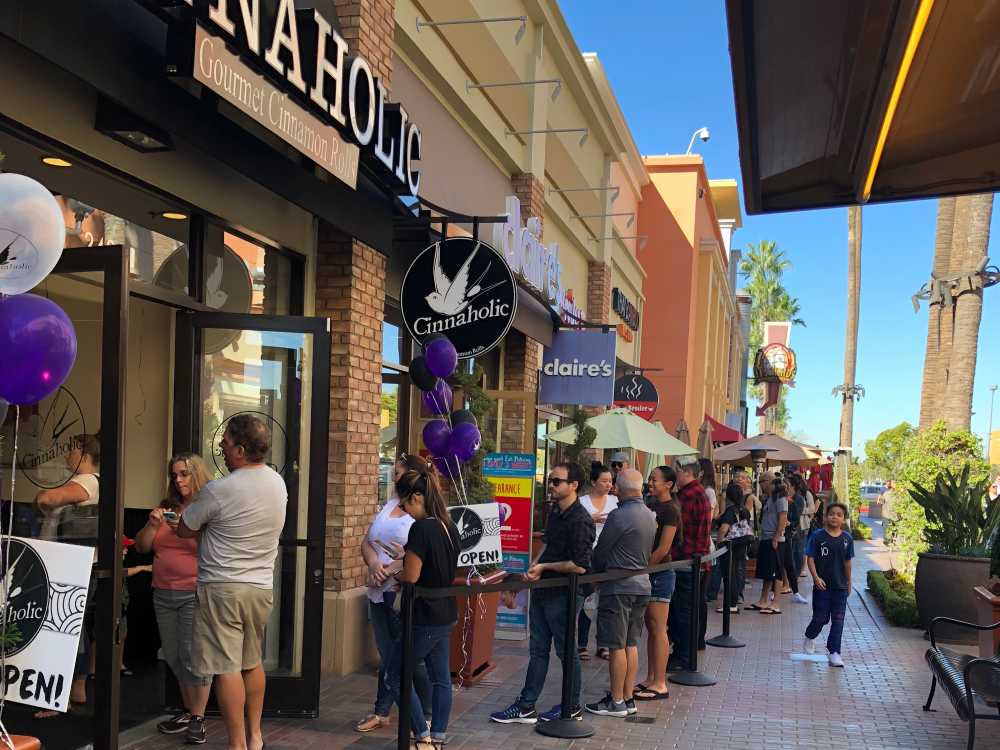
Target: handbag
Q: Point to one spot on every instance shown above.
(755, 542)
(739, 532)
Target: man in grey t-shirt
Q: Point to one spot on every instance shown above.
(625, 544)
(237, 520)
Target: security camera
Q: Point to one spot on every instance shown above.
(704, 134)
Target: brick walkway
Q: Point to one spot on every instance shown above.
(763, 697)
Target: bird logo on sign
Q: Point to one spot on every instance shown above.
(451, 296)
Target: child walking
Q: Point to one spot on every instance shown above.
(829, 553)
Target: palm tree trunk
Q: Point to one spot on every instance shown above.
(938, 351)
(966, 253)
(850, 345)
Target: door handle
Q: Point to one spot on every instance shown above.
(318, 577)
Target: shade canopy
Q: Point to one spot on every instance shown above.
(721, 433)
(681, 432)
(786, 451)
(653, 459)
(706, 447)
(620, 428)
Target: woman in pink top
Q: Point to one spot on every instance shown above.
(175, 574)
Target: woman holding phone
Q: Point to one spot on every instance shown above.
(382, 552)
(175, 575)
(599, 503)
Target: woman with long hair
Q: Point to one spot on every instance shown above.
(390, 529)
(430, 561)
(175, 576)
(599, 503)
(669, 533)
(734, 513)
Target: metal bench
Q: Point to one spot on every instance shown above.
(964, 677)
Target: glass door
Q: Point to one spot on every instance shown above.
(276, 368)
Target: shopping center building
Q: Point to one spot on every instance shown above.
(237, 239)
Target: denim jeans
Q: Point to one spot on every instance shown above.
(715, 584)
(583, 629)
(789, 565)
(430, 645)
(679, 618)
(829, 606)
(739, 575)
(799, 552)
(547, 620)
(386, 624)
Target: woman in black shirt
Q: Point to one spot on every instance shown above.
(431, 561)
(733, 514)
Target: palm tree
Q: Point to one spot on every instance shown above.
(849, 389)
(967, 253)
(938, 352)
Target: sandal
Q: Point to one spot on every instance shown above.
(602, 653)
(732, 610)
(584, 653)
(382, 721)
(770, 611)
(654, 695)
(754, 606)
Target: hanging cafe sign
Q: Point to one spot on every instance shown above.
(462, 288)
(293, 77)
(774, 363)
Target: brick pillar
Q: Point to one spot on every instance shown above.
(520, 373)
(368, 27)
(531, 192)
(350, 291)
(598, 311)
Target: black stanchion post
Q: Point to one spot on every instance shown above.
(692, 677)
(725, 640)
(565, 727)
(405, 667)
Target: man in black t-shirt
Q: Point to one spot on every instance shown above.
(569, 544)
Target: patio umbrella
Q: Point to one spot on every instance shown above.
(620, 428)
(653, 459)
(705, 447)
(787, 451)
(682, 432)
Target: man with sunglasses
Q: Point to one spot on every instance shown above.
(619, 462)
(569, 544)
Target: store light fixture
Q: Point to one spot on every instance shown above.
(642, 237)
(616, 188)
(469, 85)
(171, 215)
(585, 131)
(630, 214)
(129, 129)
(55, 161)
(517, 37)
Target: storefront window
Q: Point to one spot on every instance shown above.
(392, 425)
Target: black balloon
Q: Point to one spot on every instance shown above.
(420, 376)
(431, 337)
(459, 416)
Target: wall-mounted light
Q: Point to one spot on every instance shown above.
(171, 215)
(642, 237)
(585, 131)
(517, 37)
(130, 129)
(616, 188)
(55, 161)
(469, 85)
(630, 214)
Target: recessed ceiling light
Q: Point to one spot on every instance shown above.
(174, 215)
(55, 161)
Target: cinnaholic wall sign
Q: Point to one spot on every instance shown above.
(291, 74)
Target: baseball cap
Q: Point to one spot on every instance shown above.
(619, 456)
(791, 469)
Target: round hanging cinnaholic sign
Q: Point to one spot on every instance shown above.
(461, 288)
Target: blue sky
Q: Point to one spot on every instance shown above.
(681, 80)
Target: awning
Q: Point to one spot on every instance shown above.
(723, 434)
(534, 319)
(836, 100)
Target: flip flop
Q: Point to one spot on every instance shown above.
(640, 688)
(602, 653)
(770, 611)
(584, 653)
(756, 607)
(732, 610)
(656, 696)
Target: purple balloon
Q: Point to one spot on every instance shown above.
(448, 465)
(503, 514)
(439, 400)
(437, 436)
(465, 440)
(442, 359)
(37, 348)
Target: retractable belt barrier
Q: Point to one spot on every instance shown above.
(563, 728)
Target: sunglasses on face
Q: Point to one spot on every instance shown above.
(556, 481)
(616, 464)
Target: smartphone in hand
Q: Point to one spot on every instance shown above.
(170, 515)
(386, 548)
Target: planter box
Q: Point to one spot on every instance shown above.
(943, 586)
(472, 637)
(988, 611)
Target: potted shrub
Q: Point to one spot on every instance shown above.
(961, 519)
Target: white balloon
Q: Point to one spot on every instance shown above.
(32, 233)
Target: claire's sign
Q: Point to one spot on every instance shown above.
(462, 288)
(579, 368)
(300, 52)
(637, 394)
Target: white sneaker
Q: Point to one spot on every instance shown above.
(799, 598)
(809, 646)
(836, 661)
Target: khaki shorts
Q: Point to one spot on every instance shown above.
(229, 621)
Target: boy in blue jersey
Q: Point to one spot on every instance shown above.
(829, 553)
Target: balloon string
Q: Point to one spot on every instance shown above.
(458, 485)
(4, 735)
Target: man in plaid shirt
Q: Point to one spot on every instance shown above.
(696, 518)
